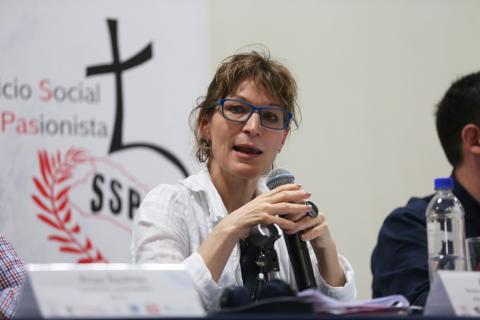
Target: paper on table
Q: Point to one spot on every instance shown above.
(325, 304)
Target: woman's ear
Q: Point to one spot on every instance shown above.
(471, 139)
(205, 129)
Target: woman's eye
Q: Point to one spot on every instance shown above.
(270, 117)
(237, 109)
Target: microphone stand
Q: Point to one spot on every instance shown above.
(267, 259)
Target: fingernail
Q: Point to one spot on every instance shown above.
(299, 185)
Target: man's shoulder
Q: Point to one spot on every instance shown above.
(413, 211)
(415, 205)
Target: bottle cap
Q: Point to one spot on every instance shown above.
(443, 183)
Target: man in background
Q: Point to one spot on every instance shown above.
(400, 259)
(11, 278)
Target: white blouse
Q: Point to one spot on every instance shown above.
(174, 220)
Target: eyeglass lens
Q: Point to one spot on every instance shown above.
(273, 117)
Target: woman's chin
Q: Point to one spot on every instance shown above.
(249, 171)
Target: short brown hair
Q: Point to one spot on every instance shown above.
(257, 65)
(459, 107)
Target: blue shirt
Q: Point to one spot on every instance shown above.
(400, 259)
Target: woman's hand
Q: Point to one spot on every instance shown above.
(283, 206)
(316, 231)
(267, 208)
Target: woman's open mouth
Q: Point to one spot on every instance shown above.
(250, 150)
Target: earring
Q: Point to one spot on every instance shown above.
(204, 150)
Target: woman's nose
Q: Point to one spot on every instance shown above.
(253, 125)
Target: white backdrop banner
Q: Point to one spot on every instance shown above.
(94, 105)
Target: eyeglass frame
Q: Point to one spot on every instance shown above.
(258, 109)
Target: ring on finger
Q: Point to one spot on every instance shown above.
(314, 212)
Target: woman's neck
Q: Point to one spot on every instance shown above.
(235, 191)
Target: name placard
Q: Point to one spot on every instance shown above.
(454, 293)
(108, 290)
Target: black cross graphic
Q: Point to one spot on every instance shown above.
(117, 68)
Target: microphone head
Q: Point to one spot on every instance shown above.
(278, 177)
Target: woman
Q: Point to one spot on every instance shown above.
(241, 126)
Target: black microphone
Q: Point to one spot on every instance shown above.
(297, 249)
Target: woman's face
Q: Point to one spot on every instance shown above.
(245, 150)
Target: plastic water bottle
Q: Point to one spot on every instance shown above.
(445, 230)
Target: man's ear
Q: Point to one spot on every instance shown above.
(471, 139)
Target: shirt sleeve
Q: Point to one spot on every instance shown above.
(11, 277)
(161, 235)
(347, 292)
(400, 259)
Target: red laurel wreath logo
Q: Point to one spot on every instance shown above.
(54, 203)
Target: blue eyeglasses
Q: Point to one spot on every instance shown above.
(240, 111)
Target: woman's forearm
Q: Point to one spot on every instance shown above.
(329, 266)
(216, 249)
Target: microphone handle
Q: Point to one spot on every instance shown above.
(300, 261)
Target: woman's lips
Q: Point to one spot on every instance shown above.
(248, 150)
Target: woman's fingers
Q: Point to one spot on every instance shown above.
(287, 193)
(284, 206)
(307, 223)
(283, 223)
(294, 217)
(314, 233)
(295, 211)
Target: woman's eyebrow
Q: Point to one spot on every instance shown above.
(239, 96)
